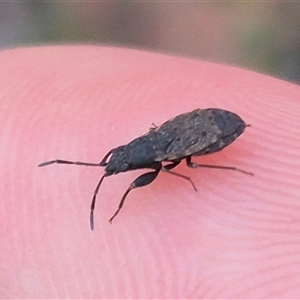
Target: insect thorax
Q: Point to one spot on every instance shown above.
(142, 152)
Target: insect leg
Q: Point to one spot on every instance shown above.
(195, 165)
(168, 167)
(153, 127)
(141, 181)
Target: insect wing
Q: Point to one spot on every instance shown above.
(193, 132)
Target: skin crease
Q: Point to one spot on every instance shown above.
(237, 237)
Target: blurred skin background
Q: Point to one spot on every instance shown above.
(261, 36)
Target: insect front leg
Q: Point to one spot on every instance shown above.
(141, 181)
(195, 165)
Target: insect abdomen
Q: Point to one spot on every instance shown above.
(201, 132)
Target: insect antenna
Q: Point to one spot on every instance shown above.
(67, 162)
(94, 200)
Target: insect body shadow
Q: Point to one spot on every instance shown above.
(196, 133)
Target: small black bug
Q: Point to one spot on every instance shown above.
(199, 132)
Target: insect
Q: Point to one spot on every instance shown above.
(196, 133)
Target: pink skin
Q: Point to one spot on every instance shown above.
(237, 237)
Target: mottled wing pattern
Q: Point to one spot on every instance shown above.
(187, 134)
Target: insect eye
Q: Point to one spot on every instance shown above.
(124, 167)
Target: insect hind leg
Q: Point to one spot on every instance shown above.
(141, 181)
(195, 165)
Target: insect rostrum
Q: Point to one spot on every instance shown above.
(196, 133)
